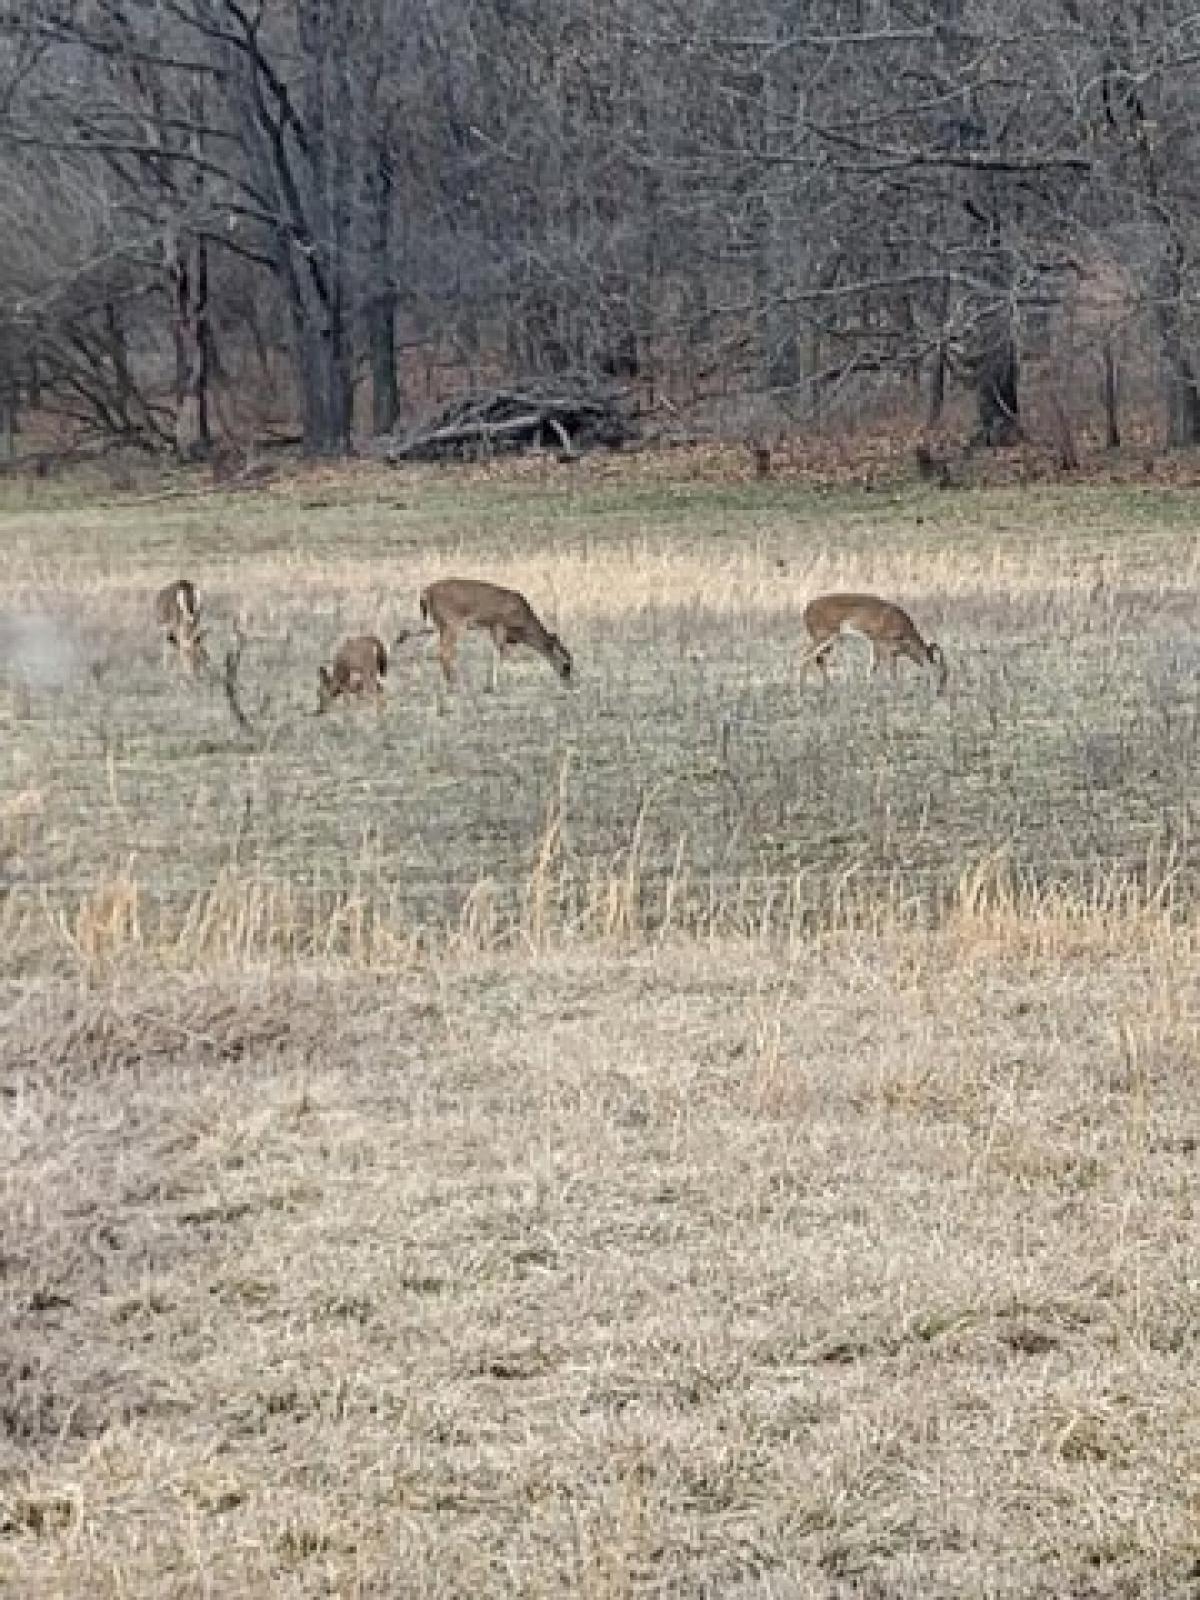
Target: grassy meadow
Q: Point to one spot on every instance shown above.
(692, 1134)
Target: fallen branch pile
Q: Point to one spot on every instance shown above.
(566, 420)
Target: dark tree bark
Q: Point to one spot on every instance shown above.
(1179, 369)
(936, 404)
(8, 414)
(996, 393)
(298, 158)
(1112, 422)
(380, 306)
(187, 258)
(1183, 400)
(124, 391)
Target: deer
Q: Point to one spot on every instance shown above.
(890, 630)
(454, 605)
(177, 611)
(359, 667)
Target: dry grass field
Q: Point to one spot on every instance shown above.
(692, 1134)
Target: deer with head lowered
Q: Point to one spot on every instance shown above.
(889, 629)
(177, 612)
(359, 668)
(454, 605)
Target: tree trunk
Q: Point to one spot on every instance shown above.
(381, 306)
(1183, 404)
(325, 383)
(124, 393)
(8, 417)
(1112, 426)
(937, 388)
(1182, 397)
(10, 395)
(696, 323)
(1179, 371)
(319, 350)
(385, 387)
(814, 361)
(996, 382)
(317, 261)
(937, 372)
(188, 267)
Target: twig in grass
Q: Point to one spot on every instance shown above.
(229, 681)
(243, 825)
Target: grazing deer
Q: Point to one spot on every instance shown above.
(359, 668)
(178, 614)
(455, 604)
(889, 629)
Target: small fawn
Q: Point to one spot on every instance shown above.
(359, 668)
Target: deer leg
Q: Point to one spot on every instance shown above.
(816, 652)
(500, 640)
(447, 646)
(917, 654)
(189, 640)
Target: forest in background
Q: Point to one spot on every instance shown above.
(316, 219)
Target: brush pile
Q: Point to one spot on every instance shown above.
(567, 419)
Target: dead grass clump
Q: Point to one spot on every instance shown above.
(52, 1396)
(106, 1034)
(996, 907)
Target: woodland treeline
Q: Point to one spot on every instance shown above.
(205, 202)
